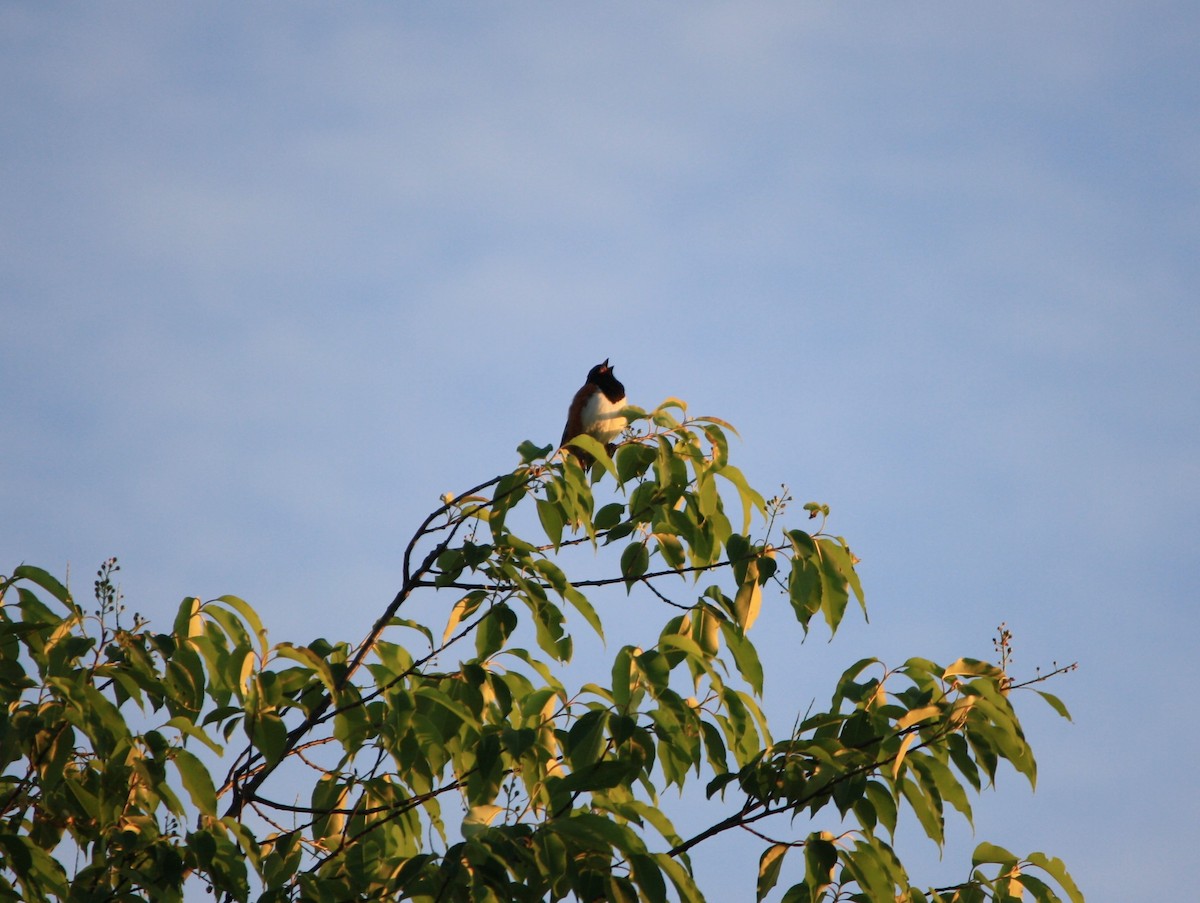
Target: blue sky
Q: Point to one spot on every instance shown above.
(275, 277)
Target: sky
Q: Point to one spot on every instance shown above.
(274, 277)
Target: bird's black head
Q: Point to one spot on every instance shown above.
(602, 376)
(597, 374)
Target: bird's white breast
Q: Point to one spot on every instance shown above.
(601, 418)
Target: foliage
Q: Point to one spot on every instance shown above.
(136, 763)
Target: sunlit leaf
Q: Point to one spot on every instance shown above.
(441, 771)
(307, 657)
(748, 602)
(1055, 868)
(769, 864)
(250, 616)
(462, 609)
(188, 621)
(480, 817)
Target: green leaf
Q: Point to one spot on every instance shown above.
(268, 733)
(552, 521)
(840, 564)
(718, 442)
(189, 621)
(835, 592)
(1055, 868)
(745, 656)
(186, 727)
(938, 773)
(585, 739)
(737, 548)
(804, 588)
(596, 449)
(926, 807)
(250, 616)
(1039, 889)
(671, 549)
(644, 502)
(530, 452)
(1055, 703)
(633, 460)
(691, 650)
(898, 762)
(960, 755)
(708, 498)
(990, 853)
(581, 604)
(820, 856)
(458, 712)
(662, 414)
(43, 579)
(680, 877)
(748, 602)
(609, 516)
(657, 820)
(648, 877)
(769, 865)
(36, 871)
(597, 832)
(622, 676)
(884, 804)
(558, 580)
(509, 491)
(479, 818)
(229, 622)
(797, 893)
(972, 667)
(751, 500)
(619, 889)
(654, 668)
(548, 622)
(634, 562)
(706, 629)
(196, 780)
(311, 660)
(463, 609)
(494, 631)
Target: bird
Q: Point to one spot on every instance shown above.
(596, 411)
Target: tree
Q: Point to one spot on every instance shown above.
(137, 762)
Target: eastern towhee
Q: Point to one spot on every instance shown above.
(596, 411)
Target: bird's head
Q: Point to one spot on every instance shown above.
(598, 372)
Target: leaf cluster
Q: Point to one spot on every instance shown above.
(463, 766)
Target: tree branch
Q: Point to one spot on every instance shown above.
(740, 819)
(411, 583)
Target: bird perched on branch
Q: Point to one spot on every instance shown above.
(596, 412)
